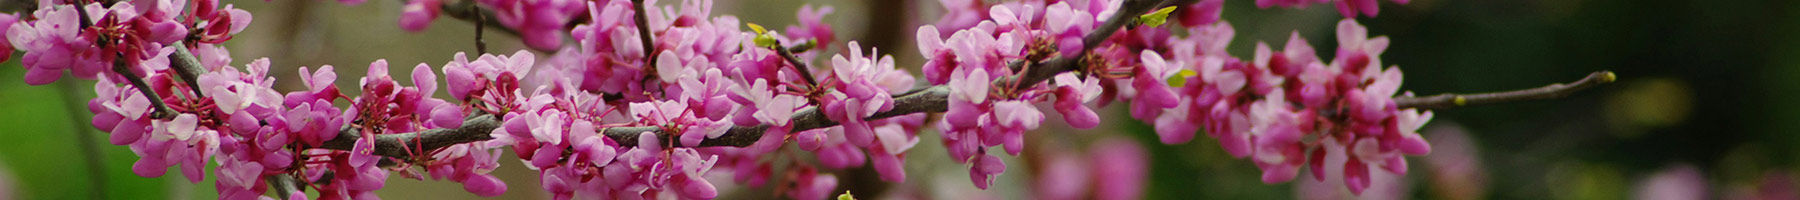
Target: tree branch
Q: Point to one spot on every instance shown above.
(1450, 100)
(186, 66)
(283, 185)
(929, 99)
(474, 129)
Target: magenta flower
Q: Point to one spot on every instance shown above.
(702, 76)
(1063, 176)
(212, 57)
(472, 79)
(1153, 93)
(1071, 96)
(540, 23)
(180, 141)
(857, 95)
(1674, 183)
(812, 26)
(762, 105)
(53, 44)
(233, 91)
(418, 14)
(240, 179)
(6, 47)
(960, 14)
(1121, 169)
(1202, 13)
(984, 168)
(809, 184)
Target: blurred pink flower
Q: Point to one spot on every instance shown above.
(1455, 166)
(1679, 182)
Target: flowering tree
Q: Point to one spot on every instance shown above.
(649, 99)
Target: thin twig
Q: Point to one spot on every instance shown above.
(469, 12)
(1451, 100)
(162, 111)
(800, 66)
(480, 26)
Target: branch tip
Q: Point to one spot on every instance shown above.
(1555, 90)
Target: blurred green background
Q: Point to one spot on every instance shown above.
(1704, 84)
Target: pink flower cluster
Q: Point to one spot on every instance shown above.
(1280, 105)
(1111, 169)
(256, 132)
(701, 77)
(611, 54)
(141, 32)
(541, 23)
(1273, 109)
(559, 136)
(860, 87)
(988, 106)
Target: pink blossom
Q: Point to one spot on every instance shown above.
(1121, 169)
(178, 141)
(540, 23)
(764, 106)
(1680, 182)
(1202, 13)
(1382, 184)
(6, 47)
(857, 95)
(984, 168)
(472, 79)
(240, 179)
(1153, 92)
(418, 14)
(53, 44)
(809, 184)
(1071, 97)
(812, 26)
(960, 14)
(233, 91)
(1455, 166)
(1064, 176)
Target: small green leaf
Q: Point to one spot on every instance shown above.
(758, 28)
(846, 196)
(1181, 77)
(1157, 18)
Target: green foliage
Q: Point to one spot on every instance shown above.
(42, 159)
